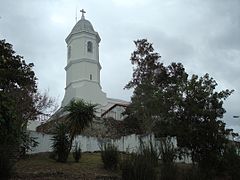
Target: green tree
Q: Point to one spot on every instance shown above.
(80, 115)
(157, 88)
(18, 89)
(19, 103)
(169, 103)
(17, 84)
(145, 62)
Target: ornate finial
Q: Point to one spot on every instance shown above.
(82, 11)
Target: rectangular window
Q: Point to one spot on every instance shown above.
(89, 46)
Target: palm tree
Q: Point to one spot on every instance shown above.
(80, 116)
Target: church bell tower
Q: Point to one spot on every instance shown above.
(83, 67)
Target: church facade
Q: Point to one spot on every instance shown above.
(83, 71)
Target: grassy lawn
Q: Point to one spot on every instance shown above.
(40, 166)
(90, 167)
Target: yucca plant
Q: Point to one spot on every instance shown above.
(80, 116)
(61, 142)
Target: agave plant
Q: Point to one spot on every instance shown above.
(61, 142)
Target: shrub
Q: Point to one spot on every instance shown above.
(28, 143)
(168, 154)
(230, 162)
(61, 143)
(138, 167)
(77, 152)
(110, 156)
(149, 152)
(167, 151)
(141, 165)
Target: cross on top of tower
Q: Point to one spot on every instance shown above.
(82, 11)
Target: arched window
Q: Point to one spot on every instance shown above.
(89, 46)
(69, 52)
(90, 76)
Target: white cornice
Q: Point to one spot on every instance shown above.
(82, 80)
(75, 61)
(82, 32)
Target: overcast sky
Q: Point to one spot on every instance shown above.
(204, 35)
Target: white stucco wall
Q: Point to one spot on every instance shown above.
(44, 141)
(129, 143)
(89, 144)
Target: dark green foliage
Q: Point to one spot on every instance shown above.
(230, 162)
(80, 115)
(142, 164)
(169, 103)
(28, 143)
(168, 153)
(17, 89)
(132, 124)
(200, 131)
(77, 152)
(138, 167)
(150, 152)
(61, 143)
(19, 103)
(110, 156)
(17, 85)
(9, 146)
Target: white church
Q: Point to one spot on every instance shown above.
(83, 71)
(83, 82)
(83, 74)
